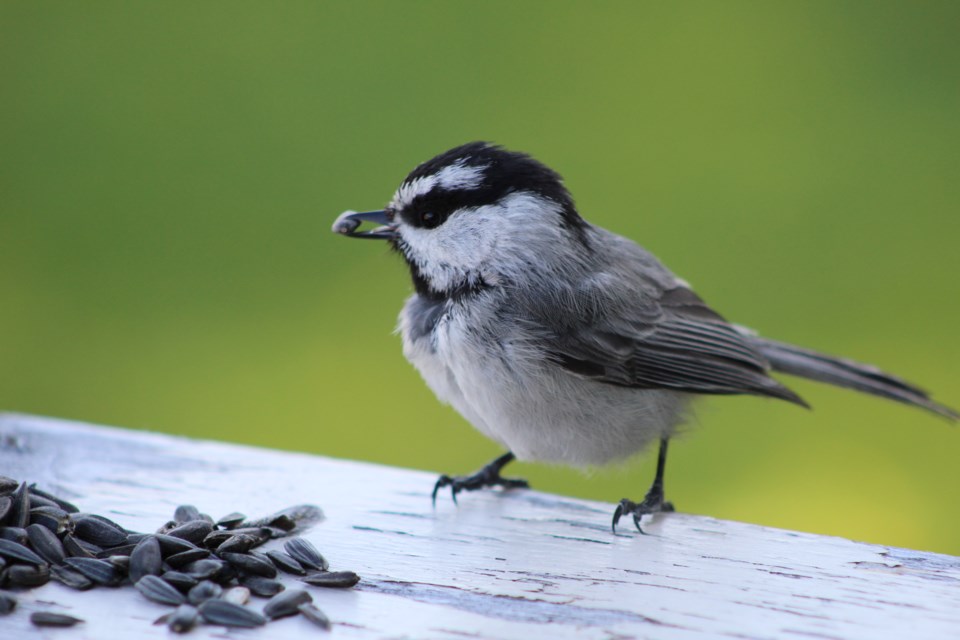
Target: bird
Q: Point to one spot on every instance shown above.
(560, 340)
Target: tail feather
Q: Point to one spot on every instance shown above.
(846, 373)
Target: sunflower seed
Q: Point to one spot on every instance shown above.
(156, 590)
(194, 531)
(230, 615)
(37, 501)
(70, 578)
(7, 485)
(98, 530)
(6, 505)
(53, 518)
(216, 538)
(77, 548)
(16, 534)
(178, 560)
(204, 591)
(51, 619)
(183, 619)
(145, 559)
(236, 595)
(122, 563)
(285, 603)
(171, 545)
(7, 601)
(334, 579)
(251, 564)
(180, 580)
(231, 520)
(100, 571)
(306, 554)
(122, 550)
(314, 615)
(260, 586)
(19, 513)
(285, 562)
(240, 543)
(60, 502)
(26, 575)
(299, 516)
(16, 551)
(185, 513)
(46, 544)
(204, 569)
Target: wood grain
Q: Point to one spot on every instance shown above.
(501, 565)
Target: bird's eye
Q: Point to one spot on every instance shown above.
(429, 219)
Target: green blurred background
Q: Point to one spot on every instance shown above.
(169, 173)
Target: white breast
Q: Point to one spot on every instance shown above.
(497, 377)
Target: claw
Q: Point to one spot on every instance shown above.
(616, 518)
(442, 481)
(636, 521)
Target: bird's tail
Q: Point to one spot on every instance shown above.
(842, 372)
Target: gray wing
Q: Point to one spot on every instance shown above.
(666, 338)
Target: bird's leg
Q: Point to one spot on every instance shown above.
(489, 476)
(653, 502)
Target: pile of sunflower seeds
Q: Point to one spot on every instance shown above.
(207, 569)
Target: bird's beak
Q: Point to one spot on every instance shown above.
(348, 222)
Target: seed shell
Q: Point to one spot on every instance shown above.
(19, 514)
(239, 543)
(251, 564)
(51, 619)
(70, 578)
(231, 520)
(69, 507)
(7, 485)
(204, 591)
(16, 551)
(16, 534)
(178, 560)
(100, 571)
(145, 560)
(6, 505)
(230, 615)
(194, 531)
(334, 579)
(53, 518)
(306, 554)
(77, 548)
(155, 589)
(171, 545)
(98, 530)
(285, 603)
(7, 600)
(180, 580)
(46, 544)
(27, 575)
(204, 569)
(314, 615)
(263, 587)
(286, 562)
(185, 513)
(183, 619)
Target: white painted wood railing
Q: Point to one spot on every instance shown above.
(518, 565)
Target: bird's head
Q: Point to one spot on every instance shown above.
(474, 217)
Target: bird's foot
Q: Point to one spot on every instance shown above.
(489, 476)
(652, 503)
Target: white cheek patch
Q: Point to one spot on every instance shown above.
(455, 176)
(484, 244)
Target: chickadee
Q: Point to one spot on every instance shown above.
(558, 339)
